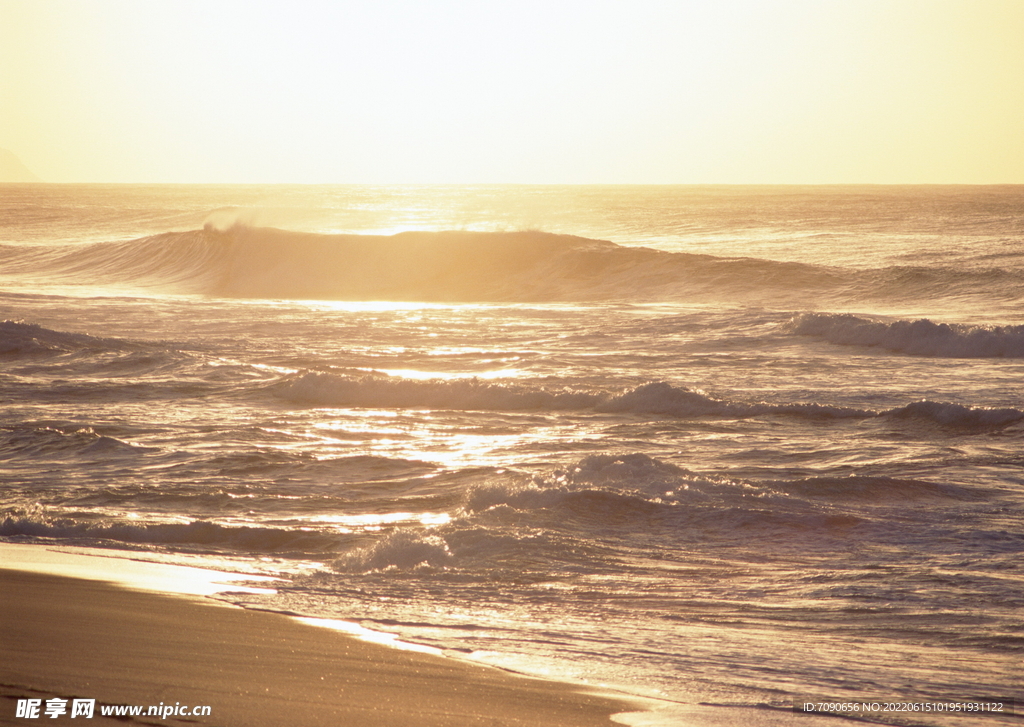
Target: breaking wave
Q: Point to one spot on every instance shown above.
(237, 260)
(919, 338)
(189, 262)
(25, 341)
(657, 398)
(663, 398)
(513, 520)
(530, 525)
(958, 416)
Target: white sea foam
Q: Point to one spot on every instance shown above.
(401, 550)
(920, 337)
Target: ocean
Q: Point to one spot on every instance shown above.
(723, 445)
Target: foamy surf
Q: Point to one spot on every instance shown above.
(918, 338)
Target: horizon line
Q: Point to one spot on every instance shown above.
(523, 184)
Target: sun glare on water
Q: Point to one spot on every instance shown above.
(453, 375)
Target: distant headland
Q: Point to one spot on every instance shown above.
(12, 170)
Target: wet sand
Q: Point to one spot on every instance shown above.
(76, 638)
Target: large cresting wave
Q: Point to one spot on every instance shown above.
(465, 266)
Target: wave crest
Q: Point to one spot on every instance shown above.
(47, 443)
(658, 398)
(27, 340)
(191, 535)
(400, 550)
(958, 416)
(919, 338)
(230, 257)
(663, 398)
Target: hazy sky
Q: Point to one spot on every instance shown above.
(632, 91)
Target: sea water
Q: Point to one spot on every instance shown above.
(730, 445)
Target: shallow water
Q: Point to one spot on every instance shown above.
(731, 445)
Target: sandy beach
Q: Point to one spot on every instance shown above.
(74, 638)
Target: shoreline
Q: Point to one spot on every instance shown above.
(78, 623)
(73, 637)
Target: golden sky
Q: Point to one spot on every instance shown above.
(631, 91)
